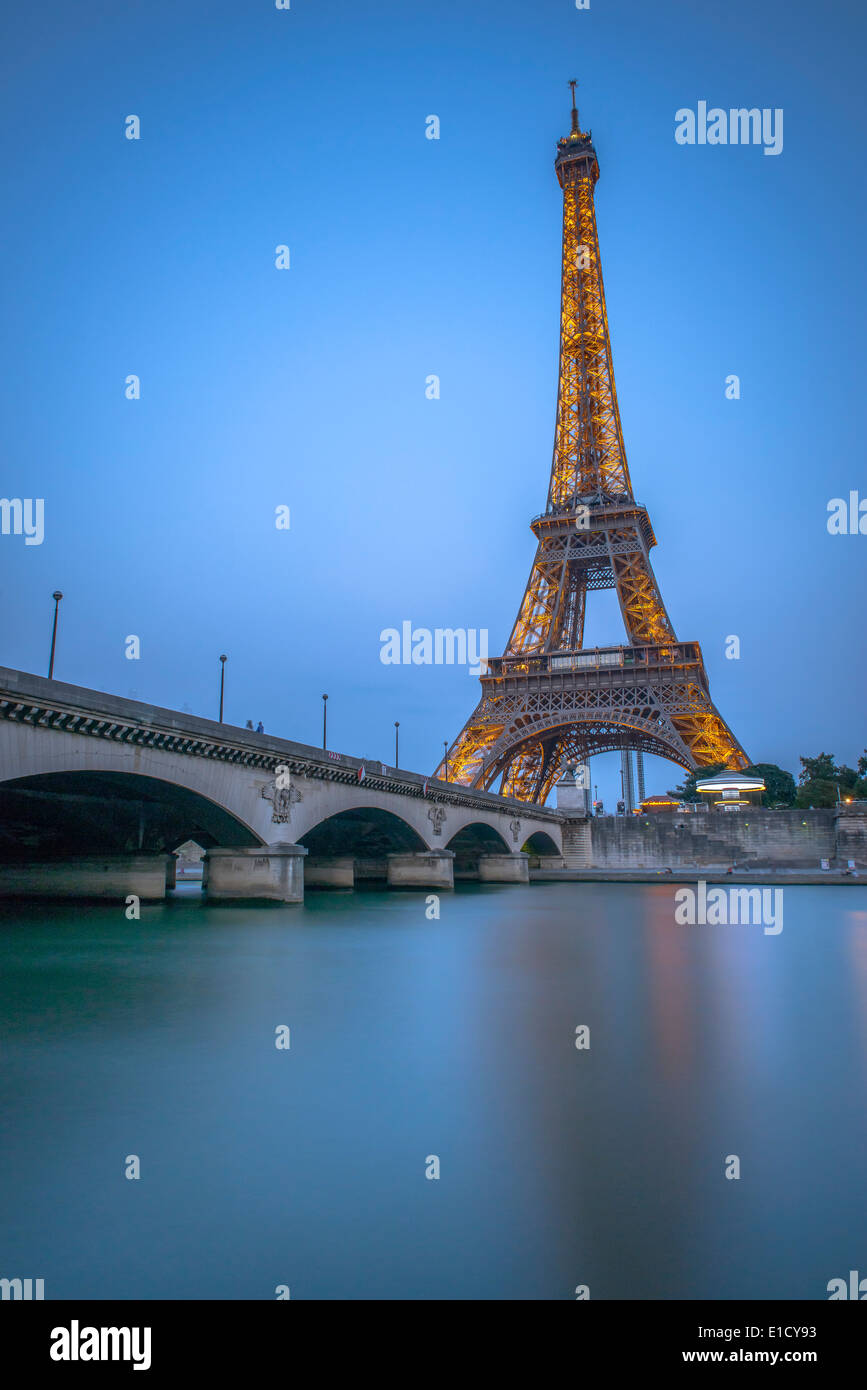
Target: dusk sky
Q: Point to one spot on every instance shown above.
(412, 257)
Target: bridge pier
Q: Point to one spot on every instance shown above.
(330, 873)
(271, 873)
(89, 876)
(504, 868)
(433, 868)
(546, 863)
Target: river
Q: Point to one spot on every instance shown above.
(413, 1039)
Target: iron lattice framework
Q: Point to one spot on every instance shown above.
(548, 698)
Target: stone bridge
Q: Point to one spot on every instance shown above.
(95, 791)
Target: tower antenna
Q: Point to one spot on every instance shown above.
(573, 84)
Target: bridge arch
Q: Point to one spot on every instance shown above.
(76, 811)
(540, 843)
(480, 837)
(472, 841)
(365, 832)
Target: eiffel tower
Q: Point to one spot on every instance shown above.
(548, 699)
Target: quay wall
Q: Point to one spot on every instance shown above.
(756, 838)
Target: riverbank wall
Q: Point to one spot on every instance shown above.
(781, 840)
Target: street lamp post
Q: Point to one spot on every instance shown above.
(324, 721)
(223, 660)
(396, 746)
(57, 596)
(446, 758)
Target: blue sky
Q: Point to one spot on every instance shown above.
(409, 257)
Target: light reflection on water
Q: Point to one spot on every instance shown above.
(454, 1037)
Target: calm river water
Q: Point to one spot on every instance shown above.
(455, 1038)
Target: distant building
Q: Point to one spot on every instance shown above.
(730, 791)
(658, 803)
(189, 856)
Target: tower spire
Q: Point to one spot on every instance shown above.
(573, 84)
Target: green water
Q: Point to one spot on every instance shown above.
(455, 1038)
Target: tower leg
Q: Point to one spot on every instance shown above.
(626, 769)
(639, 769)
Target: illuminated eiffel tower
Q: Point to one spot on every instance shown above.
(548, 699)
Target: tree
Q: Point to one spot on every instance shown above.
(687, 791)
(820, 792)
(823, 783)
(858, 790)
(817, 783)
(780, 786)
(821, 769)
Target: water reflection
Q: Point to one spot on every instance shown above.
(455, 1037)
